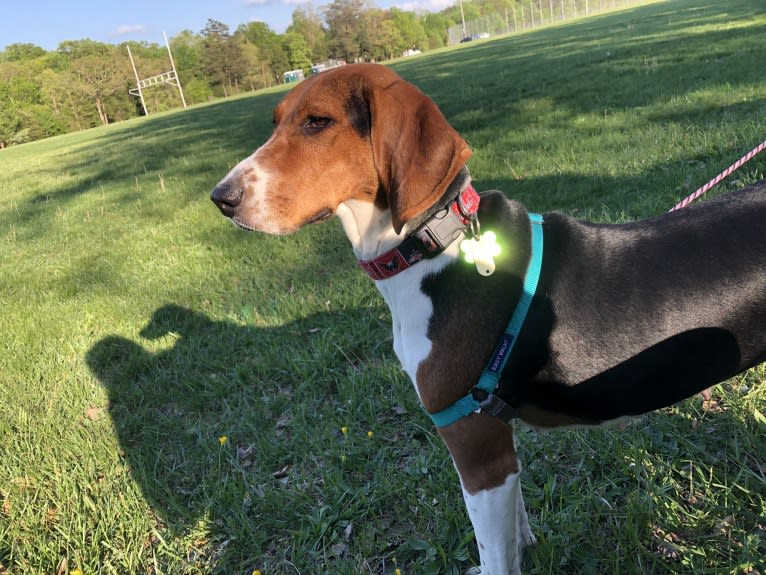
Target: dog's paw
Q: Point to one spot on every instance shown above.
(528, 538)
(473, 571)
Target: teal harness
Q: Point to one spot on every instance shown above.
(482, 397)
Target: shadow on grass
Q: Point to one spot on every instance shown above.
(270, 392)
(273, 488)
(252, 386)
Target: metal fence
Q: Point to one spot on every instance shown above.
(531, 15)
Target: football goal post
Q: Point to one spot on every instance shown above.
(170, 77)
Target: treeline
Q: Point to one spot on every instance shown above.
(84, 83)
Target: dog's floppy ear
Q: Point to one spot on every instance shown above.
(416, 152)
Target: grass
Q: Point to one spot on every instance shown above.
(173, 392)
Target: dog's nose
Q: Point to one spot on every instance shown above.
(227, 196)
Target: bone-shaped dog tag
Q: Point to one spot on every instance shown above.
(481, 251)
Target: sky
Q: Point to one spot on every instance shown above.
(46, 23)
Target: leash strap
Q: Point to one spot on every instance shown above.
(735, 166)
(482, 397)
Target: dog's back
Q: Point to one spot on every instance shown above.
(644, 314)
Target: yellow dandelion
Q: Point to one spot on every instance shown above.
(223, 440)
(344, 430)
(256, 572)
(398, 571)
(75, 572)
(370, 434)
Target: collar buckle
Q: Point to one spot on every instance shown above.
(431, 238)
(443, 228)
(449, 223)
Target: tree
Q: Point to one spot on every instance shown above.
(470, 11)
(11, 125)
(187, 50)
(98, 74)
(346, 24)
(25, 114)
(308, 24)
(257, 75)
(21, 52)
(297, 50)
(74, 49)
(98, 78)
(436, 27)
(70, 106)
(379, 38)
(271, 55)
(410, 30)
(221, 57)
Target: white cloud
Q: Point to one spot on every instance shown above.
(127, 29)
(425, 5)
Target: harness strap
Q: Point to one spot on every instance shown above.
(482, 397)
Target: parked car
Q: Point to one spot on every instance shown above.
(475, 37)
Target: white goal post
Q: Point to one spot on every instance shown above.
(170, 77)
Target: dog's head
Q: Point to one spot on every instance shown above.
(358, 132)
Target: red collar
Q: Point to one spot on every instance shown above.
(429, 240)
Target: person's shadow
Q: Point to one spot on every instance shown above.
(200, 408)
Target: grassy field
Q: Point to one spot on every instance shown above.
(178, 397)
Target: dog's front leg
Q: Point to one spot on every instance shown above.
(483, 450)
(501, 526)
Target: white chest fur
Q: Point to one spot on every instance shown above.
(371, 233)
(411, 312)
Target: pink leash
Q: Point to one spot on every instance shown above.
(735, 166)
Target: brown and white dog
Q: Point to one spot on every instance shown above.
(625, 318)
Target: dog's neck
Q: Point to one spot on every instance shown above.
(370, 228)
(371, 232)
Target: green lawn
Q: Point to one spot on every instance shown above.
(179, 397)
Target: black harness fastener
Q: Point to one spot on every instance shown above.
(493, 405)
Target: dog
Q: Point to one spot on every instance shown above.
(572, 323)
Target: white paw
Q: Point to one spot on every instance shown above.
(525, 530)
(529, 538)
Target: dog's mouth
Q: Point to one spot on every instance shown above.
(242, 225)
(320, 216)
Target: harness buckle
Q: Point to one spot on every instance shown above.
(491, 404)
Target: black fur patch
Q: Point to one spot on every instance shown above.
(358, 110)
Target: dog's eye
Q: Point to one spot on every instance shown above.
(315, 124)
